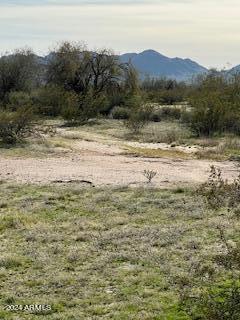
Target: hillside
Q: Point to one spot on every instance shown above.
(234, 71)
(152, 63)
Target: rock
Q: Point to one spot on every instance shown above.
(74, 181)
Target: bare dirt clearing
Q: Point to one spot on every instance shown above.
(110, 170)
(103, 160)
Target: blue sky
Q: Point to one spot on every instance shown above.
(206, 31)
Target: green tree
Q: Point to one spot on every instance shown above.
(18, 72)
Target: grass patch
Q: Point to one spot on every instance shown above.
(104, 253)
(158, 153)
(64, 141)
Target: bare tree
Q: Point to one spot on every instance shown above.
(75, 68)
(131, 79)
(106, 70)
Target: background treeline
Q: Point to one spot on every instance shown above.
(77, 84)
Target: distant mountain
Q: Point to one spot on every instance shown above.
(234, 71)
(153, 64)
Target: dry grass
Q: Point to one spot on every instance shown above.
(113, 132)
(227, 148)
(114, 253)
(158, 153)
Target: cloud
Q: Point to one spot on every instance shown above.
(72, 2)
(87, 2)
(206, 31)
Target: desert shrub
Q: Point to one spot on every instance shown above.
(214, 189)
(167, 97)
(19, 99)
(218, 192)
(138, 119)
(156, 115)
(14, 126)
(229, 259)
(164, 91)
(215, 106)
(149, 175)
(139, 113)
(165, 113)
(88, 107)
(186, 116)
(133, 102)
(222, 301)
(208, 114)
(52, 100)
(232, 121)
(171, 113)
(218, 301)
(120, 113)
(115, 99)
(218, 298)
(171, 96)
(70, 114)
(170, 136)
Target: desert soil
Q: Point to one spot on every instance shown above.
(105, 163)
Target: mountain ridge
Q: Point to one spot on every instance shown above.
(234, 71)
(151, 63)
(156, 65)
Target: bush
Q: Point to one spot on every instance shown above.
(156, 115)
(19, 99)
(219, 193)
(139, 114)
(208, 114)
(165, 91)
(171, 96)
(120, 113)
(88, 107)
(137, 120)
(165, 113)
(149, 175)
(171, 113)
(220, 301)
(219, 297)
(215, 107)
(54, 101)
(14, 126)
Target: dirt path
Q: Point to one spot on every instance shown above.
(103, 160)
(109, 169)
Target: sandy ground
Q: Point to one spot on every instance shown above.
(102, 163)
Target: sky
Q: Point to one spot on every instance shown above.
(207, 31)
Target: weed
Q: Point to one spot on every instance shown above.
(149, 175)
(218, 192)
(10, 262)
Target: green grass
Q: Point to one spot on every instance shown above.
(110, 253)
